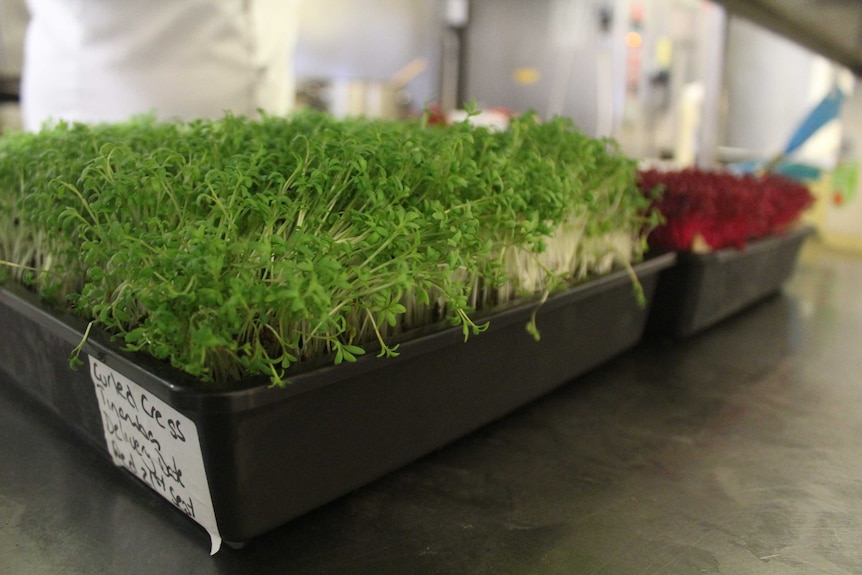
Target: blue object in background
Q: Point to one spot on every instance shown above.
(793, 170)
(799, 172)
(827, 110)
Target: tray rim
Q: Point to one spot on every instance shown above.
(754, 246)
(176, 388)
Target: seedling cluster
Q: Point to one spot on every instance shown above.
(235, 248)
(712, 209)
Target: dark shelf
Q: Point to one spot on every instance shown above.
(832, 28)
(10, 89)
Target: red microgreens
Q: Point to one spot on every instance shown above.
(724, 209)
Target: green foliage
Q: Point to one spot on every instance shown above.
(235, 247)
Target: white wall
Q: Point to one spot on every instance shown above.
(768, 81)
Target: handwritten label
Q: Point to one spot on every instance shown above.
(156, 443)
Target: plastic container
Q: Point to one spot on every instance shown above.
(703, 289)
(270, 454)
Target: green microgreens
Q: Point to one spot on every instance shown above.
(234, 248)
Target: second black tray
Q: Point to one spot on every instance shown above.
(703, 289)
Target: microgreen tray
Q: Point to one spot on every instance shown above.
(243, 462)
(704, 289)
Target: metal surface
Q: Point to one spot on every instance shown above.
(736, 451)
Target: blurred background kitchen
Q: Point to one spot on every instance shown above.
(682, 82)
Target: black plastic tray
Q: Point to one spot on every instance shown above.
(272, 454)
(703, 289)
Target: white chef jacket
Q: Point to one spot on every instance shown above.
(107, 60)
